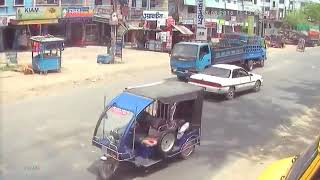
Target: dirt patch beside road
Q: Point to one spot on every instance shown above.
(78, 66)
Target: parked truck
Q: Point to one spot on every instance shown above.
(187, 58)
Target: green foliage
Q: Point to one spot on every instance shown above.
(309, 14)
(296, 17)
(312, 11)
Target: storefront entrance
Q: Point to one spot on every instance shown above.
(8, 37)
(76, 30)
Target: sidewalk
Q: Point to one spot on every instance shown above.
(78, 66)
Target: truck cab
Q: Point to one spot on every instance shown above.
(189, 57)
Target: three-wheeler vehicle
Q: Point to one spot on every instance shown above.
(147, 124)
(305, 166)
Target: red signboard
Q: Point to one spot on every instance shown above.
(77, 12)
(210, 24)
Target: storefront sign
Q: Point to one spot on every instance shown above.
(200, 13)
(103, 10)
(3, 21)
(100, 19)
(201, 33)
(38, 13)
(154, 15)
(188, 21)
(119, 45)
(136, 13)
(210, 24)
(71, 12)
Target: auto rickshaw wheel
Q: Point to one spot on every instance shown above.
(166, 142)
(187, 149)
(107, 169)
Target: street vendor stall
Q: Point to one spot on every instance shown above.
(46, 53)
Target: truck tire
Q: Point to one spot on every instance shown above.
(180, 78)
(250, 65)
(261, 62)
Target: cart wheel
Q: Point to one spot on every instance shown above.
(187, 149)
(107, 169)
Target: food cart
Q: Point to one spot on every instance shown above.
(46, 53)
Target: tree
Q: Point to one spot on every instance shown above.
(312, 11)
(296, 17)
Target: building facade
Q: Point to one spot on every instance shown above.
(8, 9)
(221, 16)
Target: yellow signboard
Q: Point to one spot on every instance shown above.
(38, 13)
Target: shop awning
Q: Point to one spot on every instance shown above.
(29, 22)
(134, 27)
(101, 18)
(184, 30)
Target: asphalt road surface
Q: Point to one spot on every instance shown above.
(49, 137)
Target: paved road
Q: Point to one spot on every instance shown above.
(49, 137)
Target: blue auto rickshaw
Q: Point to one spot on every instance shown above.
(147, 124)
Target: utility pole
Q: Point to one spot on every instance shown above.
(114, 23)
(263, 12)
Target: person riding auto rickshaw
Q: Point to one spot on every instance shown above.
(305, 166)
(147, 124)
(301, 45)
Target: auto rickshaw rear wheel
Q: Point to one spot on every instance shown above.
(166, 142)
(108, 168)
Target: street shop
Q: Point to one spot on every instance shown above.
(135, 23)
(46, 53)
(156, 34)
(107, 20)
(33, 21)
(80, 29)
